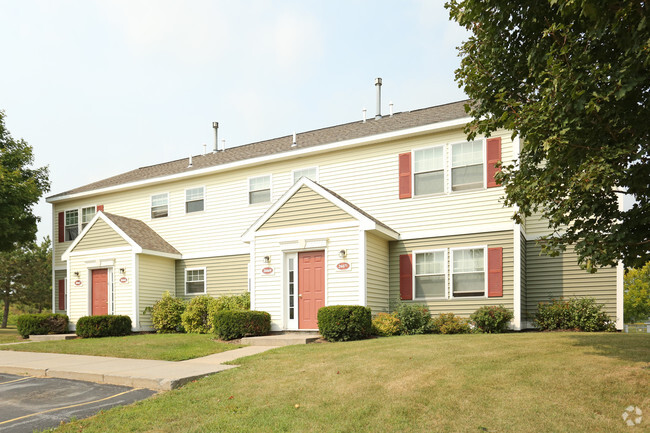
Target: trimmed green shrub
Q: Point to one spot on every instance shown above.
(385, 325)
(414, 318)
(103, 326)
(582, 314)
(166, 314)
(492, 319)
(344, 322)
(231, 302)
(195, 318)
(42, 324)
(449, 323)
(231, 324)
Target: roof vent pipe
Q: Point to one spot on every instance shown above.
(293, 143)
(390, 108)
(223, 144)
(190, 164)
(215, 125)
(378, 86)
(205, 148)
(364, 115)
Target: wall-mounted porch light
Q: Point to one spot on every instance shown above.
(267, 259)
(343, 253)
(122, 271)
(76, 274)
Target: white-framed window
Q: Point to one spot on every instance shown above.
(71, 224)
(195, 281)
(259, 189)
(160, 205)
(194, 199)
(430, 274)
(87, 213)
(468, 271)
(429, 171)
(467, 165)
(310, 173)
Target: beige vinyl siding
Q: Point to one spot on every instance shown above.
(305, 207)
(225, 275)
(377, 273)
(523, 288)
(365, 175)
(536, 226)
(58, 275)
(555, 277)
(156, 276)
(460, 306)
(100, 235)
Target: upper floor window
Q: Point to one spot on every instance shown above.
(87, 213)
(259, 189)
(467, 165)
(71, 224)
(194, 200)
(428, 171)
(159, 205)
(430, 274)
(468, 271)
(195, 281)
(310, 173)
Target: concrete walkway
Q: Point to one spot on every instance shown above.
(138, 373)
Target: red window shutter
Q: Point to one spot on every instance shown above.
(493, 155)
(100, 207)
(61, 294)
(406, 277)
(495, 272)
(405, 175)
(61, 227)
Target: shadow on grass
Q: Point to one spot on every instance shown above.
(627, 347)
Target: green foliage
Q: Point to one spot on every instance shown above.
(582, 314)
(449, 323)
(492, 319)
(572, 79)
(195, 319)
(231, 324)
(636, 300)
(166, 314)
(385, 325)
(41, 324)
(414, 318)
(20, 189)
(103, 326)
(344, 322)
(231, 302)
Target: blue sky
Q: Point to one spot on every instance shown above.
(102, 87)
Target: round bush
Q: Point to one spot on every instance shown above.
(449, 323)
(231, 324)
(582, 314)
(492, 319)
(195, 319)
(385, 325)
(166, 314)
(414, 318)
(232, 302)
(344, 322)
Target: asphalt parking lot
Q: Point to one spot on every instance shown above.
(35, 403)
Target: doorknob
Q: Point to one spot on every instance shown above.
(300, 296)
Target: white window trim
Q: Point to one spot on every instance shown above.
(293, 181)
(445, 162)
(79, 218)
(205, 201)
(484, 162)
(485, 272)
(446, 273)
(205, 281)
(168, 207)
(248, 189)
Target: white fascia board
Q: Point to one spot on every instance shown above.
(294, 153)
(161, 254)
(98, 251)
(218, 253)
(457, 231)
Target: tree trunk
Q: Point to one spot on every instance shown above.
(6, 312)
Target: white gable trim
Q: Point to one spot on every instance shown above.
(364, 222)
(100, 215)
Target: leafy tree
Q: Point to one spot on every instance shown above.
(20, 188)
(573, 79)
(636, 300)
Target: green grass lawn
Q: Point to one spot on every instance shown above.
(528, 382)
(167, 347)
(9, 335)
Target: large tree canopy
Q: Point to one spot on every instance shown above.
(573, 79)
(20, 188)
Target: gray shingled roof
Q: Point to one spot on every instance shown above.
(333, 134)
(142, 234)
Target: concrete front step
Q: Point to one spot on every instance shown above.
(52, 337)
(284, 339)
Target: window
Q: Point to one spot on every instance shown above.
(467, 165)
(159, 205)
(87, 213)
(71, 224)
(194, 281)
(430, 274)
(310, 173)
(193, 200)
(259, 189)
(428, 169)
(468, 272)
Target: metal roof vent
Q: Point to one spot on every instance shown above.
(215, 125)
(378, 86)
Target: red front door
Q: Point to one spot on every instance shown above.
(311, 288)
(100, 291)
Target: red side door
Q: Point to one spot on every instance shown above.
(311, 288)
(100, 292)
